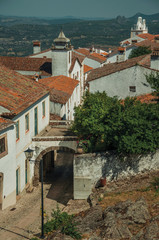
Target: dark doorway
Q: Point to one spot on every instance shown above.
(58, 171)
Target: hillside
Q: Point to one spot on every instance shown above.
(17, 34)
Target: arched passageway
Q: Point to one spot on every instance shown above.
(57, 171)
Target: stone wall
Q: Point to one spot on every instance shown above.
(91, 167)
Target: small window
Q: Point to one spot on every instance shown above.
(3, 145)
(17, 130)
(27, 122)
(132, 88)
(43, 109)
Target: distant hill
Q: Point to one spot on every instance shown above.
(17, 33)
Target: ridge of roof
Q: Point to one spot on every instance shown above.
(27, 64)
(110, 68)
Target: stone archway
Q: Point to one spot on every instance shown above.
(36, 177)
(1, 190)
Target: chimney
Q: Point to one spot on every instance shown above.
(155, 59)
(121, 54)
(36, 47)
(156, 39)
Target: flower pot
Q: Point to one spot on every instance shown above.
(80, 150)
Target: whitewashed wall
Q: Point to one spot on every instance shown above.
(89, 168)
(47, 54)
(61, 64)
(25, 139)
(117, 84)
(8, 168)
(67, 109)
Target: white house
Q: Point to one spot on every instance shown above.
(64, 95)
(124, 79)
(91, 57)
(24, 105)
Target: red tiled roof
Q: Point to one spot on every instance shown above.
(28, 64)
(97, 55)
(147, 98)
(121, 48)
(79, 56)
(83, 51)
(127, 42)
(87, 68)
(104, 53)
(148, 43)
(18, 92)
(61, 87)
(115, 67)
(147, 36)
(4, 123)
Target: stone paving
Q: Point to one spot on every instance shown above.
(25, 220)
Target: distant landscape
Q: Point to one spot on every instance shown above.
(17, 33)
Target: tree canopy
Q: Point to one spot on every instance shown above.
(105, 123)
(153, 80)
(142, 50)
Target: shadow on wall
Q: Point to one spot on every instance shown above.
(116, 166)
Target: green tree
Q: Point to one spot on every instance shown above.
(142, 50)
(127, 126)
(153, 80)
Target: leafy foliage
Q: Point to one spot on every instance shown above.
(107, 123)
(153, 80)
(63, 222)
(142, 50)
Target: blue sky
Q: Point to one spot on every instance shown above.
(80, 8)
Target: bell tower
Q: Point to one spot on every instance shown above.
(61, 55)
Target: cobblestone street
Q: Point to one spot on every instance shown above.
(23, 220)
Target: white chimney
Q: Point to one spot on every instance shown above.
(36, 47)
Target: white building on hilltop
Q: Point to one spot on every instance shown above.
(139, 28)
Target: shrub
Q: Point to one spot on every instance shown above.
(63, 222)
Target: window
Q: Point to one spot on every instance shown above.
(3, 145)
(43, 109)
(27, 122)
(17, 130)
(132, 88)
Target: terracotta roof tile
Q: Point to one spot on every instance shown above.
(87, 68)
(4, 123)
(83, 51)
(42, 65)
(115, 67)
(146, 36)
(18, 92)
(97, 55)
(148, 43)
(147, 98)
(61, 87)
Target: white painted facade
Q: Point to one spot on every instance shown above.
(77, 73)
(61, 60)
(47, 54)
(66, 111)
(114, 58)
(15, 159)
(119, 83)
(155, 62)
(8, 169)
